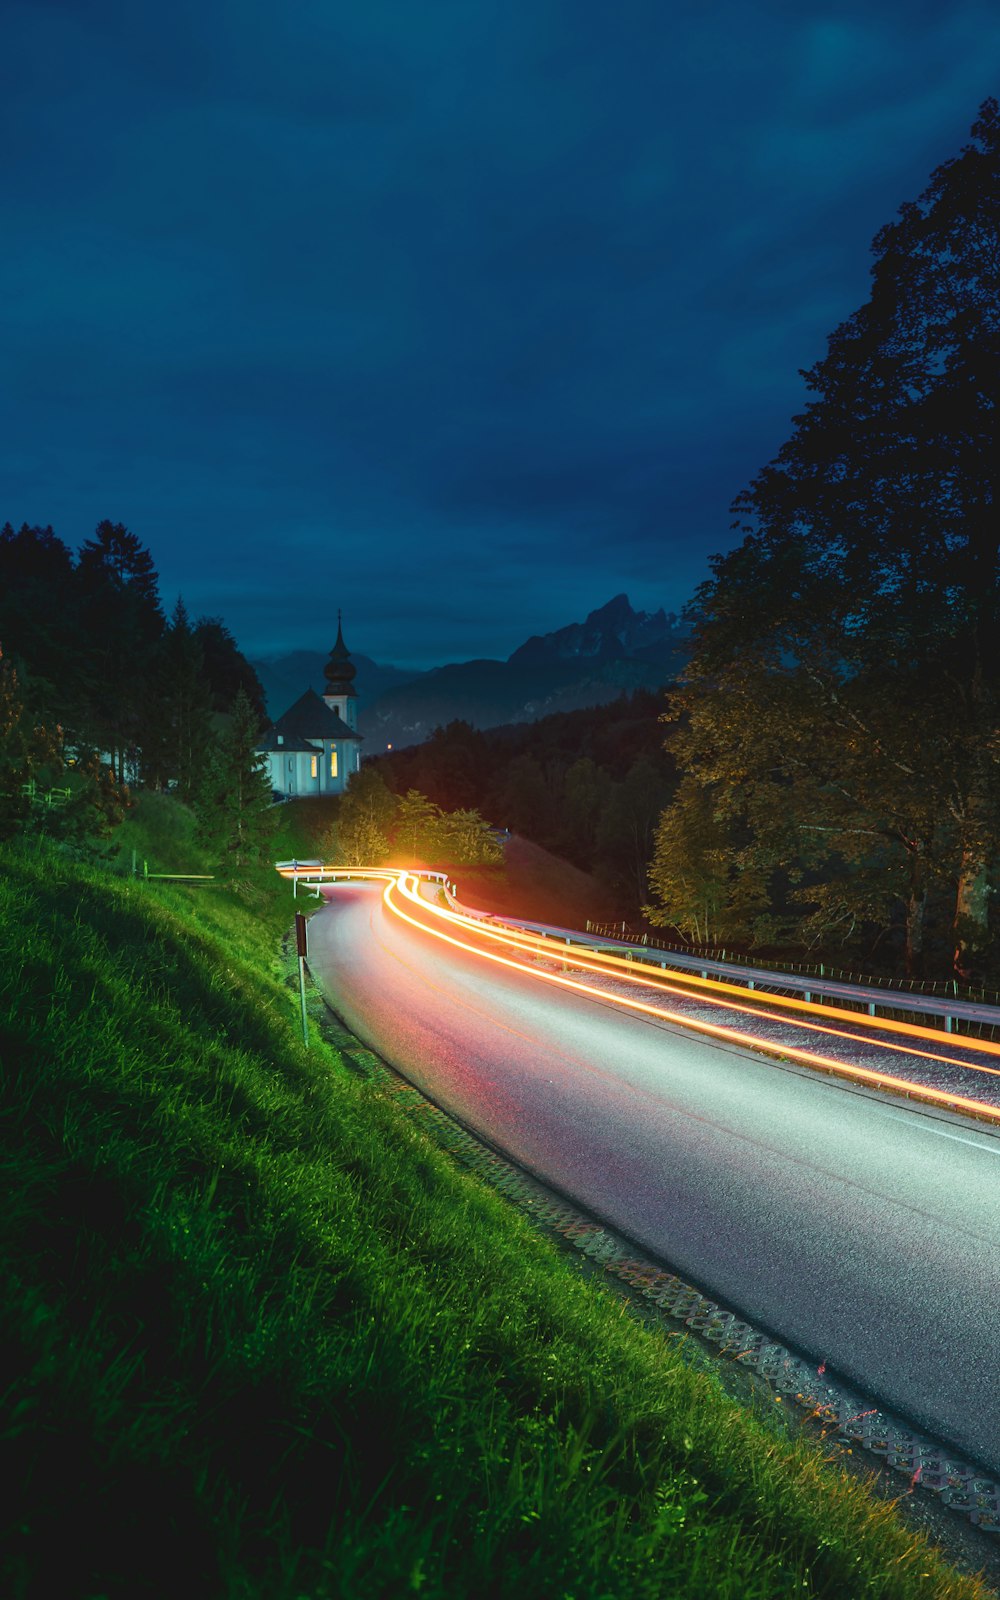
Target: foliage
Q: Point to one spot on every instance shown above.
(179, 744)
(123, 624)
(262, 1338)
(91, 640)
(845, 691)
(234, 803)
(430, 835)
(30, 753)
(39, 622)
(76, 802)
(588, 785)
(690, 871)
(226, 669)
(360, 835)
(414, 823)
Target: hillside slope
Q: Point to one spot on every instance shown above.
(260, 1338)
(536, 885)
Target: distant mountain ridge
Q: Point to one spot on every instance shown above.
(589, 663)
(613, 633)
(285, 677)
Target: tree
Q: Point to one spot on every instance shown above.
(586, 794)
(365, 814)
(464, 838)
(524, 800)
(235, 812)
(179, 742)
(123, 624)
(416, 825)
(39, 624)
(77, 803)
(30, 754)
(450, 764)
(626, 829)
(226, 668)
(849, 648)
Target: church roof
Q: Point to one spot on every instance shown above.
(311, 718)
(288, 742)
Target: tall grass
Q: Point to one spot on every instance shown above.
(261, 1339)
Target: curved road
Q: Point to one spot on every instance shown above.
(863, 1231)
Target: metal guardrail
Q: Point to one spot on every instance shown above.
(811, 983)
(313, 872)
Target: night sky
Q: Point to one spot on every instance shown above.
(463, 316)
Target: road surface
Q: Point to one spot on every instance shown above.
(864, 1231)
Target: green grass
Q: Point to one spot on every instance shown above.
(261, 1339)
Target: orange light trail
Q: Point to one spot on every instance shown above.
(809, 1058)
(641, 972)
(600, 963)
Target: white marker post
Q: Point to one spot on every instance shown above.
(300, 941)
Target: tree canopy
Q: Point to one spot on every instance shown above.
(842, 710)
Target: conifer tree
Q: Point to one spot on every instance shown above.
(180, 738)
(123, 625)
(235, 804)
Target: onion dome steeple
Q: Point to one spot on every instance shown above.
(340, 693)
(340, 670)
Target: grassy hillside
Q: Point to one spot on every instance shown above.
(536, 884)
(260, 1339)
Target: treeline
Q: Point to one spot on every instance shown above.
(372, 825)
(588, 785)
(100, 691)
(839, 727)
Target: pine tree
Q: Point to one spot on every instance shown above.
(178, 744)
(123, 625)
(235, 810)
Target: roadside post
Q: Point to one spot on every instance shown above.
(300, 942)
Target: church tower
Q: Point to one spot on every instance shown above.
(340, 694)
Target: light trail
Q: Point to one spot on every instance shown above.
(641, 972)
(786, 1052)
(652, 977)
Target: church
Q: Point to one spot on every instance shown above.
(315, 746)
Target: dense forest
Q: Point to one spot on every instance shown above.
(100, 692)
(588, 785)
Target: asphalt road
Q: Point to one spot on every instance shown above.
(863, 1231)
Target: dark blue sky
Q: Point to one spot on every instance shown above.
(461, 315)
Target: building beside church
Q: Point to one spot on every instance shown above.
(315, 745)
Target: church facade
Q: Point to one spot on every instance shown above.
(315, 745)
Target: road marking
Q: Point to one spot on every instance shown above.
(960, 1139)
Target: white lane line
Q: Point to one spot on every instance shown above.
(960, 1139)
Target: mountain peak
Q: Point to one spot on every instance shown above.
(613, 632)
